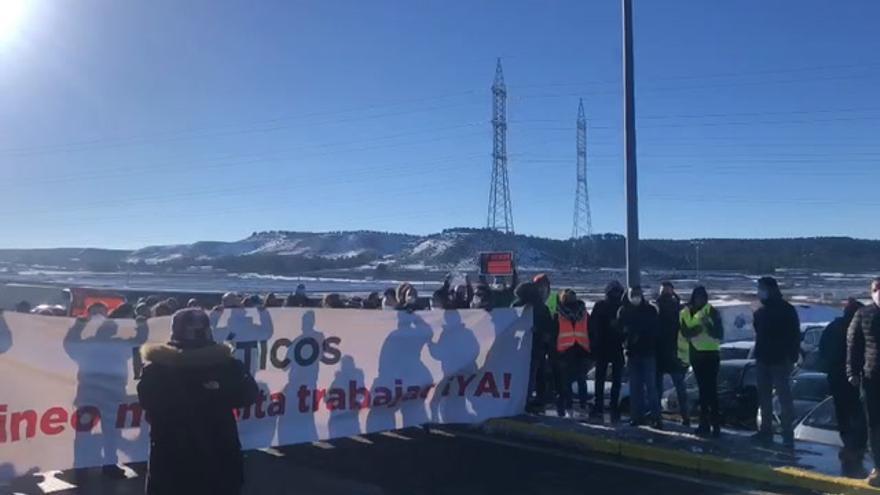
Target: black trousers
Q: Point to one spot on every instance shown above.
(538, 371)
(871, 388)
(850, 413)
(706, 365)
(602, 363)
(568, 367)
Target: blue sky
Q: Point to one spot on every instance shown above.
(133, 123)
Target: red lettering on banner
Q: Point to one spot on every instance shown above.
(353, 392)
(277, 404)
(383, 396)
(335, 399)
(53, 421)
(258, 407)
(463, 383)
(122, 412)
(91, 412)
(317, 397)
(302, 394)
(29, 418)
(487, 386)
(412, 392)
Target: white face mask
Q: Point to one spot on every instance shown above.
(636, 300)
(876, 297)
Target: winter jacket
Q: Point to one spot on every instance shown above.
(862, 342)
(606, 338)
(668, 309)
(573, 313)
(832, 347)
(640, 326)
(544, 327)
(777, 332)
(190, 396)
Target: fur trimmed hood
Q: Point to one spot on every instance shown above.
(168, 355)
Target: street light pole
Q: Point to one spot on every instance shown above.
(633, 275)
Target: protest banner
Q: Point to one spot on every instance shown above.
(68, 387)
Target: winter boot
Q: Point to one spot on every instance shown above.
(703, 429)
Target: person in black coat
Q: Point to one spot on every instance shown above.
(847, 403)
(640, 325)
(544, 332)
(777, 349)
(668, 360)
(606, 344)
(189, 387)
(863, 368)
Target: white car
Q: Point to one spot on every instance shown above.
(819, 425)
(739, 349)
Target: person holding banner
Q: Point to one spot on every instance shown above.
(544, 331)
(189, 387)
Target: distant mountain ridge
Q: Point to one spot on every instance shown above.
(288, 252)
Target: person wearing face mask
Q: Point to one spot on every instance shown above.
(671, 359)
(389, 299)
(640, 325)
(699, 342)
(777, 349)
(606, 344)
(863, 368)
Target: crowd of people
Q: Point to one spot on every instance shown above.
(625, 331)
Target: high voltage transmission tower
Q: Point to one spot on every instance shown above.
(500, 215)
(583, 223)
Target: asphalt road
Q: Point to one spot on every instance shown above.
(447, 461)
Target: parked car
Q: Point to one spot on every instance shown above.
(740, 349)
(810, 336)
(819, 425)
(808, 389)
(737, 393)
(624, 388)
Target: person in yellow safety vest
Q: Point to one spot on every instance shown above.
(700, 343)
(542, 281)
(569, 356)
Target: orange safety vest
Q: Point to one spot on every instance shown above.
(571, 334)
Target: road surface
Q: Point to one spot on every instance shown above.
(411, 462)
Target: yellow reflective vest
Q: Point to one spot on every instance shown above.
(702, 341)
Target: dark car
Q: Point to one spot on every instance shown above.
(808, 389)
(737, 393)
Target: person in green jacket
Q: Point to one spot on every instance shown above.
(700, 337)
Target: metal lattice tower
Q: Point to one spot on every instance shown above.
(583, 222)
(500, 215)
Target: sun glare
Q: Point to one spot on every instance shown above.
(12, 13)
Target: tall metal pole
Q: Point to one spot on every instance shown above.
(633, 275)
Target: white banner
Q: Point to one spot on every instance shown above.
(68, 388)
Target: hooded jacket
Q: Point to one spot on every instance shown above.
(777, 331)
(640, 326)
(606, 337)
(190, 396)
(544, 327)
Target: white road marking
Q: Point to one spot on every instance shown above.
(360, 439)
(323, 445)
(391, 434)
